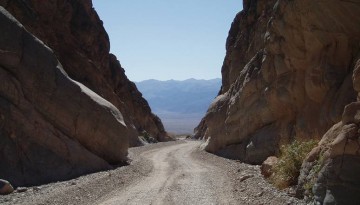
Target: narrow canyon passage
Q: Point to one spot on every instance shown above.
(176, 178)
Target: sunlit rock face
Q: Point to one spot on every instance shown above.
(287, 75)
(74, 31)
(292, 72)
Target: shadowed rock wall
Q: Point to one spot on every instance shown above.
(75, 32)
(66, 105)
(52, 127)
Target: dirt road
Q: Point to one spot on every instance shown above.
(177, 178)
(162, 173)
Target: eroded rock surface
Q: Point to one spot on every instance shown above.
(52, 127)
(330, 171)
(74, 31)
(287, 75)
(292, 72)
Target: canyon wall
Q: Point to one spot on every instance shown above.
(66, 105)
(287, 75)
(291, 71)
(76, 34)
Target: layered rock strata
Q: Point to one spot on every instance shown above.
(287, 75)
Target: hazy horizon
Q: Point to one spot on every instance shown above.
(178, 80)
(165, 40)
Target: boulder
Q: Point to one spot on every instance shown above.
(5, 187)
(268, 165)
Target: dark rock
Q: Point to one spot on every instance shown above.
(245, 177)
(75, 33)
(338, 182)
(234, 151)
(52, 127)
(261, 145)
(5, 187)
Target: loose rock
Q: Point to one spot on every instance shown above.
(267, 166)
(5, 187)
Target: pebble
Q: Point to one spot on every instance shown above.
(21, 189)
(245, 177)
(259, 194)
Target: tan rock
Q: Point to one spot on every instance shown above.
(346, 143)
(267, 166)
(297, 81)
(313, 154)
(351, 113)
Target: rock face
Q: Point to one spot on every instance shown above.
(74, 31)
(292, 71)
(51, 126)
(62, 120)
(330, 172)
(331, 169)
(287, 75)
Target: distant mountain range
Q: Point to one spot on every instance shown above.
(180, 104)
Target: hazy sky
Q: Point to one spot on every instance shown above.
(168, 39)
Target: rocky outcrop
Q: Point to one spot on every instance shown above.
(52, 127)
(330, 171)
(287, 75)
(74, 31)
(292, 72)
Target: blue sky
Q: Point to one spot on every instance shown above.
(168, 39)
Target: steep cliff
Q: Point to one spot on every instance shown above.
(291, 72)
(74, 31)
(286, 75)
(52, 127)
(66, 105)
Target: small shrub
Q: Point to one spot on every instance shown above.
(287, 170)
(148, 138)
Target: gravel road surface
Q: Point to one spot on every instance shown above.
(163, 173)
